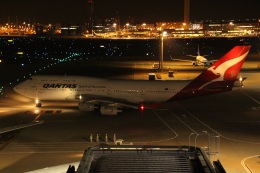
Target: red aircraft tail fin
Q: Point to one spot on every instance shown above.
(220, 77)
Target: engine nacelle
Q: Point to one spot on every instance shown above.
(210, 63)
(238, 84)
(110, 110)
(84, 106)
(194, 63)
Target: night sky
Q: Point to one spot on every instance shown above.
(75, 11)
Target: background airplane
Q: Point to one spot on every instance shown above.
(110, 96)
(200, 59)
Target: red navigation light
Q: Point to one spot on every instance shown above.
(142, 107)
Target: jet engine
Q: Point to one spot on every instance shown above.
(110, 110)
(84, 106)
(194, 63)
(239, 83)
(210, 63)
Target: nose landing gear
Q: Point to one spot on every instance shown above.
(38, 103)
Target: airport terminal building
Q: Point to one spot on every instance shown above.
(112, 28)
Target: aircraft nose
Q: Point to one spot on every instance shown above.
(17, 88)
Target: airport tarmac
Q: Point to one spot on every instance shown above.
(228, 125)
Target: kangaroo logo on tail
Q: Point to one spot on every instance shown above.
(226, 69)
(220, 77)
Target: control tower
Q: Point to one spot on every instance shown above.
(90, 16)
(186, 14)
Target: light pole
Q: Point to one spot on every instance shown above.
(127, 29)
(189, 138)
(127, 26)
(204, 131)
(196, 140)
(114, 25)
(162, 34)
(241, 82)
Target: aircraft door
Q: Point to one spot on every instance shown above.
(109, 92)
(38, 91)
(142, 95)
(142, 92)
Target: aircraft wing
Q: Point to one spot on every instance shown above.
(21, 126)
(106, 101)
(197, 55)
(185, 60)
(192, 56)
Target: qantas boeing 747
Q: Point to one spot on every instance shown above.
(111, 96)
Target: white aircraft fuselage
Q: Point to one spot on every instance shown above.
(201, 60)
(75, 87)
